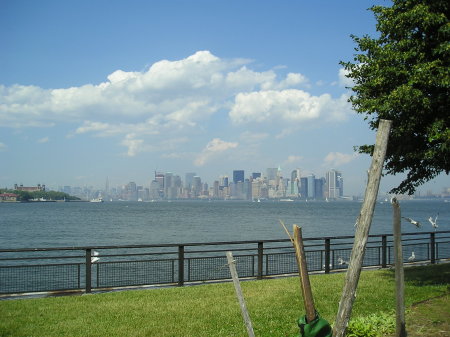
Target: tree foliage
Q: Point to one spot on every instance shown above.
(403, 75)
(47, 195)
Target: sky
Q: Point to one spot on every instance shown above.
(112, 89)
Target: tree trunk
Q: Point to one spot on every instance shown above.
(362, 230)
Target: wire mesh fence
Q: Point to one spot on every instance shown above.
(87, 268)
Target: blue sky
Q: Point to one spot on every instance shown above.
(119, 89)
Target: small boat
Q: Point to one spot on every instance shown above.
(97, 200)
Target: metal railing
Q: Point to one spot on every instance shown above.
(87, 268)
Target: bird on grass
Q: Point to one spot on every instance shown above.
(412, 257)
(414, 222)
(433, 222)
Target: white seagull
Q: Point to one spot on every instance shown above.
(412, 257)
(433, 222)
(342, 262)
(414, 222)
(94, 257)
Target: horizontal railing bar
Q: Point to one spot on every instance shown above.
(207, 243)
(43, 258)
(42, 265)
(134, 261)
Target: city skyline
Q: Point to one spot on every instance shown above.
(253, 186)
(277, 184)
(199, 87)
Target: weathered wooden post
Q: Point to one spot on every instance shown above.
(362, 229)
(303, 271)
(240, 296)
(399, 273)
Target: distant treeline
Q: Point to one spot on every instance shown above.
(47, 195)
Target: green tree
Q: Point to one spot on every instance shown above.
(403, 75)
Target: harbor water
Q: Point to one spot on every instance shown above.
(78, 224)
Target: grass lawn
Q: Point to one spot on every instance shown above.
(213, 310)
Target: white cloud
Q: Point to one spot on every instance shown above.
(3, 147)
(290, 105)
(171, 99)
(214, 147)
(293, 159)
(134, 145)
(336, 159)
(344, 81)
(43, 140)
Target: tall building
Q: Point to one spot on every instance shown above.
(271, 173)
(189, 179)
(311, 192)
(215, 191)
(304, 188)
(223, 181)
(197, 187)
(256, 175)
(318, 186)
(334, 184)
(238, 176)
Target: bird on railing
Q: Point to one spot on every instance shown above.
(342, 262)
(414, 222)
(94, 256)
(330, 265)
(412, 257)
(433, 222)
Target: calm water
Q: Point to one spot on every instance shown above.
(34, 225)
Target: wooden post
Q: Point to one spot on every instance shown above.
(240, 296)
(399, 274)
(362, 230)
(304, 277)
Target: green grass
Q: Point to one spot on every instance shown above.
(212, 309)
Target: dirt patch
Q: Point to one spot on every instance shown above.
(430, 318)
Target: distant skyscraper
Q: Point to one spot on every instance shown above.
(335, 184)
(295, 175)
(238, 176)
(159, 178)
(223, 181)
(189, 179)
(271, 173)
(304, 188)
(311, 186)
(318, 186)
(256, 175)
(197, 186)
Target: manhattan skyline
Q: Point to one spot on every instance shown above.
(90, 90)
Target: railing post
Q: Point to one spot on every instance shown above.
(433, 248)
(384, 251)
(180, 265)
(88, 271)
(260, 259)
(327, 256)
